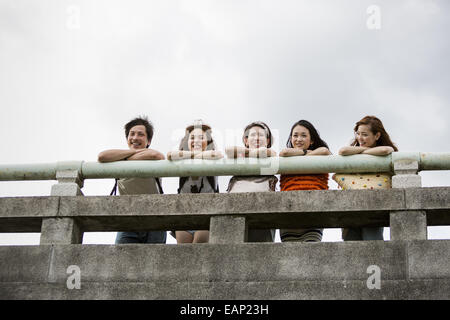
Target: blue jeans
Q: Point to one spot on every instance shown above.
(141, 237)
(354, 234)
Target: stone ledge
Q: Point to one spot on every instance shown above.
(265, 290)
(328, 209)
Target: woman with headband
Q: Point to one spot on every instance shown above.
(257, 139)
(196, 144)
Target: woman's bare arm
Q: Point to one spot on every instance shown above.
(350, 150)
(209, 155)
(179, 155)
(379, 151)
(322, 151)
(236, 152)
(261, 153)
(375, 151)
(291, 152)
(241, 152)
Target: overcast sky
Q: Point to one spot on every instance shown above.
(72, 73)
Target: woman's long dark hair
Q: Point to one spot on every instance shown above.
(317, 141)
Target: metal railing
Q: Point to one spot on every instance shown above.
(225, 167)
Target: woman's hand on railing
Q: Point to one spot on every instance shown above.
(351, 150)
(242, 152)
(291, 152)
(209, 155)
(179, 155)
(375, 151)
(261, 152)
(235, 152)
(379, 151)
(206, 155)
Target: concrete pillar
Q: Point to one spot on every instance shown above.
(69, 183)
(60, 231)
(406, 174)
(407, 225)
(64, 230)
(228, 229)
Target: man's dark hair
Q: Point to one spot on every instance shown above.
(141, 120)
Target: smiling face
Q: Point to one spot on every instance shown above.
(256, 138)
(137, 137)
(197, 140)
(301, 138)
(365, 136)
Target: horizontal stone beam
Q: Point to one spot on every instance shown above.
(330, 270)
(25, 214)
(433, 201)
(329, 209)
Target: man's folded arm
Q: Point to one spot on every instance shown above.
(147, 154)
(129, 154)
(115, 155)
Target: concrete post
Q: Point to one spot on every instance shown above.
(69, 183)
(407, 225)
(60, 231)
(406, 174)
(228, 230)
(64, 230)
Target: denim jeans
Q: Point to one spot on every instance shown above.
(353, 234)
(141, 237)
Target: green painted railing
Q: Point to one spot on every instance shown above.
(224, 167)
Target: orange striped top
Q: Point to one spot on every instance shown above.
(291, 182)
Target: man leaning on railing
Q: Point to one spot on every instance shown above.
(139, 133)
